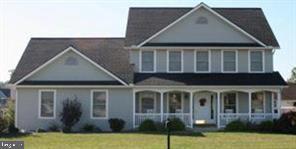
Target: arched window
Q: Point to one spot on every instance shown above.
(71, 61)
(202, 20)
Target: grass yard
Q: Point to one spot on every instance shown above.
(219, 140)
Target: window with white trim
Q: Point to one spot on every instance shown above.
(202, 61)
(99, 104)
(258, 102)
(147, 61)
(256, 61)
(175, 61)
(229, 61)
(47, 103)
(229, 102)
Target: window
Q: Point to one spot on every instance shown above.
(147, 102)
(258, 102)
(175, 102)
(229, 61)
(202, 61)
(99, 104)
(175, 61)
(230, 103)
(256, 61)
(147, 60)
(47, 103)
(71, 61)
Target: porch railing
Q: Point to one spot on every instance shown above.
(140, 117)
(226, 118)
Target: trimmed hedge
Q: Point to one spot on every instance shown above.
(177, 125)
(147, 125)
(236, 126)
(116, 124)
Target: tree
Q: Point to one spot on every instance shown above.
(293, 76)
(71, 113)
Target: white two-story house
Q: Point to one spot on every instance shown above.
(203, 65)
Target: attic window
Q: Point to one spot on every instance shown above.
(71, 61)
(201, 20)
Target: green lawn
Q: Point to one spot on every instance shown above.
(154, 141)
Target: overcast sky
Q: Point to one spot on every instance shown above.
(22, 19)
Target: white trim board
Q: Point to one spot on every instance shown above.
(62, 53)
(193, 10)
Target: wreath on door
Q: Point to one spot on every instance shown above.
(202, 102)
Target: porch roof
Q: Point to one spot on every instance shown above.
(57, 82)
(214, 79)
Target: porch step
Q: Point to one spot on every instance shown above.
(205, 128)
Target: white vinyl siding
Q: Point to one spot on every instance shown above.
(147, 61)
(175, 61)
(229, 61)
(99, 104)
(47, 103)
(256, 61)
(202, 61)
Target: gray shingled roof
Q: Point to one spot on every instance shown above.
(145, 22)
(107, 52)
(216, 79)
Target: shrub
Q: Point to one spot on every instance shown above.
(266, 126)
(88, 128)
(116, 125)
(40, 130)
(236, 126)
(286, 123)
(177, 125)
(12, 129)
(71, 114)
(54, 127)
(9, 114)
(3, 124)
(147, 125)
(160, 126)
(252, 126)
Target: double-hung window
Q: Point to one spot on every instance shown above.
(47, 99)
(258, 102)
(256, 61)
(147, 61)
(229, 61)
(175, 61)
(99, 104)
(230, 103)
(202, 61)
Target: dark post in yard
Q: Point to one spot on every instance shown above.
(168, 124)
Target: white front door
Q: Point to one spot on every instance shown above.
(204, 108)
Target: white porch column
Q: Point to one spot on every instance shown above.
(279, 102)
(134, 109)
(218, 109)
(161, 106)
(250, 104)
(191, 109)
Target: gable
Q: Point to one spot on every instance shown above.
(71, 67)
(202, 26)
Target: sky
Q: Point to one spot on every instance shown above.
(21, 20)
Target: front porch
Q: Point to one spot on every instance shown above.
(211, 106)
